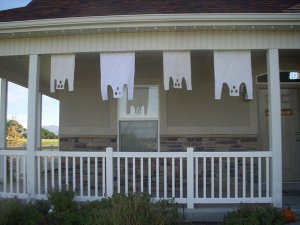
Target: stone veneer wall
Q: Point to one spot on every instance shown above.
(92, 143)
(172, 143)
(209, 143)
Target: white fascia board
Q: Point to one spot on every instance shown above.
(151, 20)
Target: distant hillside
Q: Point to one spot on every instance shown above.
(52, 128)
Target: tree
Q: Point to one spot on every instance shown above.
(46, 134)
(14, 133)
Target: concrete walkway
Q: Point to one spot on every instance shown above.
(216, 213)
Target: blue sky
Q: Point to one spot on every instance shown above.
(17, 95)
(17, 106)
(8, 4)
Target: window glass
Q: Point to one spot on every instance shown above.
(138, 120)
(137, 136)
(143, 105)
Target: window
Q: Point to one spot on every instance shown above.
(139, 120)
(285, 77)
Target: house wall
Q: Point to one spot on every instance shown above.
(187, 118)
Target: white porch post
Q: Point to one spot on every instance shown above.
(109, 172)
(33, 107)
(275, 124)
(3, 112)
(190, 178)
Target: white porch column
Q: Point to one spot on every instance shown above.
(3, 112)
(32, 136)
(275, 125)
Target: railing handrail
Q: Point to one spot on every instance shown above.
(8, 152)
(12, 152)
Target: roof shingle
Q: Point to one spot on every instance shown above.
(45, 9)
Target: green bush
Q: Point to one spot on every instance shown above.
(130, 209)
(252, 214)
(64, 210)
(17, 212)
(61, 209)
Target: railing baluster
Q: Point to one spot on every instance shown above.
(24, 174)
(204, 177)
(149, 175)
(236, 177)
(181, 178)
(103, 176)
(252, 178)
(220, 177)
(52, 172)
(74, 174)
(212, 176)
(89, 176)
(46, 174)
(133, 175)
(126, 175)
(228, 177)
(38, 175)
(59, 172)
(165, 178)
(4, 173)
(118, 175)
(157, 177)
(142, 174)
(11, 179)
(18, 173)
(96, 176)
(67, 172)
(244, 177)
(173, 177)
(267, 177)
(259, 177)
(81, 176)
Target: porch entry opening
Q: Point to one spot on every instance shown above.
(138, 125)
(290, 132)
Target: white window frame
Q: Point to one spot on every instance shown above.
(137, 118)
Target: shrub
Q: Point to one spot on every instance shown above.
(64, 210)
(255, 215)
(130, 209)
(17, 212)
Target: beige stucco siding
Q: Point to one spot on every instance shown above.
(84, 113)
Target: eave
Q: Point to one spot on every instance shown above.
(151, 22)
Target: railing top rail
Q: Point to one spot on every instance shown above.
(150, 154)
(70, 154)
(12, 152)
(233, 154)
(8, 152)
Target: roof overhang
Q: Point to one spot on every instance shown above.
(150, 22)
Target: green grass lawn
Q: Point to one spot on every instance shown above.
(23, 142)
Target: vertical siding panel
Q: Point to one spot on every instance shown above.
(151, 40)
(13, 46)
(203, 41)
(71, 43)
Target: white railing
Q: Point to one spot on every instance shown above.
(189, 177)
(13, 183)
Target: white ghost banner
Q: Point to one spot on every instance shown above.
(178, 66)
(62, 69)
(234, 69)
(117, 70)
